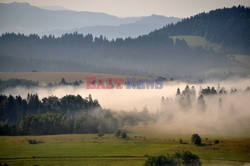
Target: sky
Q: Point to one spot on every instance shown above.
(130, 8)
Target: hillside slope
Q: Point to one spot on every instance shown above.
(229, 27)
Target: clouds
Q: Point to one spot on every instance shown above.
(127, 8)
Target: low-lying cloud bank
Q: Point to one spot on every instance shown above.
(219, 114)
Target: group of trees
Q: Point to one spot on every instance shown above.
(64, 82)
(186, 99)
(220, 90)
(55, 123)
(13, 108)
(120, 133)
(196, 139)
(15, 82)
(69, 114)
(185, 158)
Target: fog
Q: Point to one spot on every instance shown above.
(230, 117)
(126, 99)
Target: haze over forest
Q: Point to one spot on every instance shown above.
(209, 44)
(80, 84)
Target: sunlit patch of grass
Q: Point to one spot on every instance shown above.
(225, 70)
(198, 41)
(245, 59)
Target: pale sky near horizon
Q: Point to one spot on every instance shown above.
(128, 8)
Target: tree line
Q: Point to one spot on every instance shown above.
(13, 108)
(187, 98)
(15, 82)
(69, 114)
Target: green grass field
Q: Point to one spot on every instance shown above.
(241, 66)
(198, 41)
(245, 59)
(236, 69)
(88, 149)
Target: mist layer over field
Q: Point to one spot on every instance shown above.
(223, 114)
(126, 99)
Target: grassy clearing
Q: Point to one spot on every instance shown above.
(245, 59)
(198, 41)
(237, 69)
(241, 66)
(88, 149)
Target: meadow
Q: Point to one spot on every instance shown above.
(143, 140)
(89, 149)
(198, 41)
(241, 66)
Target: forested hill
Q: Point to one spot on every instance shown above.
(75, 52)
(229, 27)
(154, 53)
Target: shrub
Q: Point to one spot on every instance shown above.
(216, 141)
(118, 133)
(159, 160)
(30, 141)
(124, 135)
(100, 134)
(196, 139)
(185, 158)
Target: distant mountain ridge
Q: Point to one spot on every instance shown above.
(52, 8)
(24, 18)
(27, 19)
(142, 26)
